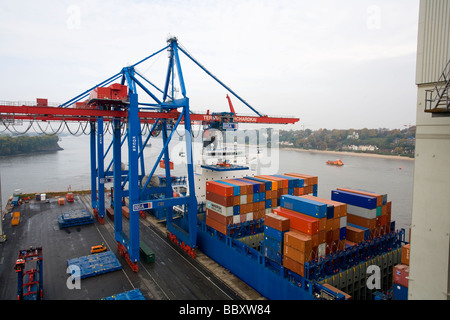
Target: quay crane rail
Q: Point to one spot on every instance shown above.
(125, 113)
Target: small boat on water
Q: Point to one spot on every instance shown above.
(335, 162)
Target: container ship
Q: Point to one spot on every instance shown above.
(274, 233)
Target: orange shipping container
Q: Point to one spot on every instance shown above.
(354, 234)
(405, 254)
(299, 221)
(275, 184)
(296, 255)
(330, 287)
(360, 221)
(277, 222)
(294, 266)
(281, 183)
(299, 191)
(298, 240)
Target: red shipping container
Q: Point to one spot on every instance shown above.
(401, 274)
(299, 221)
(383, 220)
(222, 228)
(219, 188)
(222, 200)
(218, 217)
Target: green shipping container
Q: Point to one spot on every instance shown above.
(147, 254)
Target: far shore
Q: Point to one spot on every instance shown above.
(346, 153)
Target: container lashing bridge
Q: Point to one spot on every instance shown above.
(119, 106)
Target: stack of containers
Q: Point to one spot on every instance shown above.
(317, 227)
(233, 201)
(368, 213)
(310, 184)
(400, 276)
(275, 228)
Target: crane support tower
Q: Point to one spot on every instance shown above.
(115, 101)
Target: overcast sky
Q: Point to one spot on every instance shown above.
(334, 64)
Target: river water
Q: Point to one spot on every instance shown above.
(57, 171)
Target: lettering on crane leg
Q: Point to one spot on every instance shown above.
(190, 310)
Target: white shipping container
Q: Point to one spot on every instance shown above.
(362, 212)
(225, 211)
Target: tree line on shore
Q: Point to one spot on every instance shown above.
(380, 141)
(13, 145)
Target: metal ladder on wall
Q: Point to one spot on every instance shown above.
(437, 100)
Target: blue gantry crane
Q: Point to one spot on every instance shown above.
(115, 101)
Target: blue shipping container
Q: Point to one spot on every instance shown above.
(330, 211)
(400, 292)
(354, 199)
(135, 294)
(266, 182)
(305, 206)
(273, 244)
(273, 255)
(274, 233)
(342, 233)
(296, 182)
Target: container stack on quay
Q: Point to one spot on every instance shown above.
(233, 202)
(75, 218)
(401, 276)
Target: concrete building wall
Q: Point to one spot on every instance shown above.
(430, 223)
